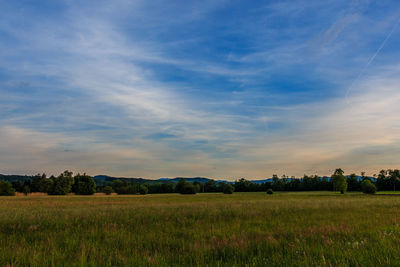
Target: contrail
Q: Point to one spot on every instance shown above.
(372, 58)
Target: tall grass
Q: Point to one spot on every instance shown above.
(252, 229)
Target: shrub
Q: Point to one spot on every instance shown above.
(143, 190)
(108, 190)
(270, 192)
(368, 187)
(228, 189)
(6, 189)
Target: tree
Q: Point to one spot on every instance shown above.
(382, 181)
(26, 190)
(368, 187)
(242, 185)
(167, 188)
(353, 183)
(189, 189)
(339, 181)
(107, 190)
(36, 181)
(27, 183)
(46, 185)
(84, 185)
(394, 176)
(210, 186)
(62, 184)
(197, 186)
(185, 187)
(18, 186)
(127, 189)
(6, 189)
(117, 185)
(143, 190)
(180, 185)
(278, 184)
(228, 189)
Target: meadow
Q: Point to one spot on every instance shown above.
(211, 229)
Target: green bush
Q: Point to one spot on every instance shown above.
(270, 192)
(143, 190)
(108, 190)
(228, 189)
(6, 189)
(368, 187)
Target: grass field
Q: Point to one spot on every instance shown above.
(243, 229)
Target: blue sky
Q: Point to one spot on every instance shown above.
(223, 89)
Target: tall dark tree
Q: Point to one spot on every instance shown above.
(18, 186)
(185, 187)
(180, 185)
(353, 183)
(84, 185)
(188, 188)
(46, 185)
(26, 190)
(382, 181)
(211, 186)
(278, 184)
(339, 181)
(36, 181)
(62, 185)
(394, 176)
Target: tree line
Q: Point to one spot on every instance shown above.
(83, 184)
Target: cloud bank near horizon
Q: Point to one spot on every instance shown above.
(215, 89)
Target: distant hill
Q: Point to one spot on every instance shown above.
(105, 179)
(191, 180)
(172, 180)
(359, 178)
(14, 178)
(261, 181)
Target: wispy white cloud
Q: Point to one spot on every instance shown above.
(90, 92)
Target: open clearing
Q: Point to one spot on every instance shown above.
(253, 229)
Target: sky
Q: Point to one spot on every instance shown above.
(212, 88)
